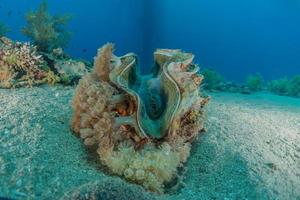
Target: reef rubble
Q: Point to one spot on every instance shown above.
(142, 127)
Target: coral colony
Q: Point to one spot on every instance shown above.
(24, 64)
(21, 65)
(141, 126)
(46, 31)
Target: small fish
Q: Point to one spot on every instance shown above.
(84, 50)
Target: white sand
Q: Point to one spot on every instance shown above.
(251, 150)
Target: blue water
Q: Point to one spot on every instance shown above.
(235, 37)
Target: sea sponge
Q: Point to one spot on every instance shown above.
(103, 118)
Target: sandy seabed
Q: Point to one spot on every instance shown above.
(251, 150)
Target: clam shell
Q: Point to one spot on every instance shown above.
(157, 96)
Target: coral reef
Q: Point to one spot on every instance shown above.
(213, 80)
(285, 86)
(294, 86)
(70, 70)
(141, 126)
(46, 31)
(279, 86)
(20, 64)
(254, 82)
(3, 30)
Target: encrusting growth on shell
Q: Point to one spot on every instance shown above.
(103, 61)
(142, 126)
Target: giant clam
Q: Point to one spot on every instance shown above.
(158, 97)
(141, 125)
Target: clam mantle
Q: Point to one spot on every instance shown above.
(158, 98)
(141, 126)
